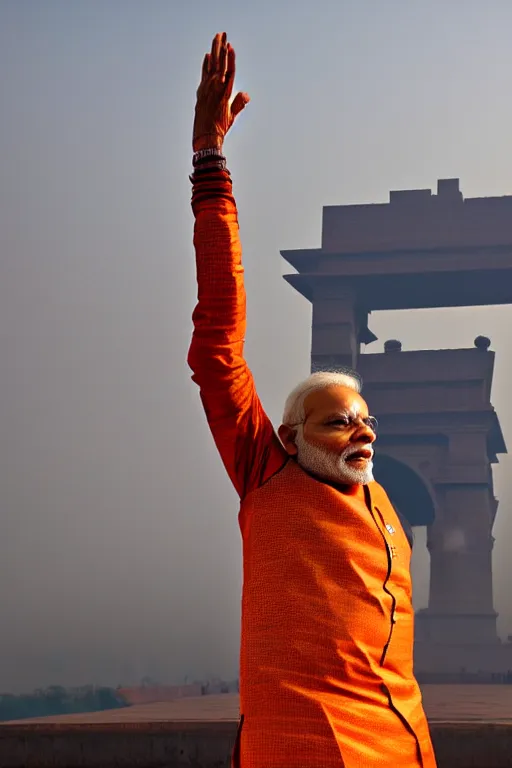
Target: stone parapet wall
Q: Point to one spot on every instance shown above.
(207, 745)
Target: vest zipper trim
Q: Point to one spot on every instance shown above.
(393, 603)
(388, 574)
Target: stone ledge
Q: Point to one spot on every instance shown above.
(207, 744)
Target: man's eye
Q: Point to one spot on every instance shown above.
(339, 422)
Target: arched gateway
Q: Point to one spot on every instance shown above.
(407, 490)
(438, 431)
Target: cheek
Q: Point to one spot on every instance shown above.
(329, 442)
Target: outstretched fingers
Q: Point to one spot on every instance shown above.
(215, 53)
(230, 70)
(223, 55)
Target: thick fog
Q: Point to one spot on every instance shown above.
(119, 544)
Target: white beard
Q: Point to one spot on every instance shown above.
(332, 466)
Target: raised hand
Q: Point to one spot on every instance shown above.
(215, 112)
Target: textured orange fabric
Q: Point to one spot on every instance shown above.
(326, 677)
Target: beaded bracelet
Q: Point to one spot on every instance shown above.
(210, 153)
(210, 163)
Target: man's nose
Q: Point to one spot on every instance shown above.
(363, 433)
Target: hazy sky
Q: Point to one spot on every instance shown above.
(119, 543)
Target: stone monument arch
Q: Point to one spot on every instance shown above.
(438, 431)
(409, 491)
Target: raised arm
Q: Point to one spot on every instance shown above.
(244, 436)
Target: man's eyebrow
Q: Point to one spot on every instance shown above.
(338, 415)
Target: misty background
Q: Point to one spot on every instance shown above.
(119, 544)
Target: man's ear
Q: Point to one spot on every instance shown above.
(287, 437)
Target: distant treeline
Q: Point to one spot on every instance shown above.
(59, 701)
(463, 677)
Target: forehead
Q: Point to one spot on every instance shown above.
(330, 400)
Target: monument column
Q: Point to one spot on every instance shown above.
(339, 326)
(460, 543)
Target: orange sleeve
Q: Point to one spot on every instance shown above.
(248, 445)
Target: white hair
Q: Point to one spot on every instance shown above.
(294, 412)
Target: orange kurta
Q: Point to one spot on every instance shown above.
(326, 673)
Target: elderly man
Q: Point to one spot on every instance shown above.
(326, 666)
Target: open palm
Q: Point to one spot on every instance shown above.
(215, 112)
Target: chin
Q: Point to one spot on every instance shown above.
(356, 476)
(332, 467)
